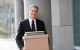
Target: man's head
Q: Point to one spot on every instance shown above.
(33, 11)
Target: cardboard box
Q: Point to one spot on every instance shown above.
(36, 42)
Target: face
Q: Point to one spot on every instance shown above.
(33, 12)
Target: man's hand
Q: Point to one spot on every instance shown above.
(24, 36)
(24, 41)
(23, 48)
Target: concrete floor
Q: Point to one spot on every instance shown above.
(77, 47)
(8, 44)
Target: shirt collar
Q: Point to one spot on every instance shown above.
(30, 20)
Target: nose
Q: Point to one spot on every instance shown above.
(34, 12)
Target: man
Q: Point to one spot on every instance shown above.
(28, 25)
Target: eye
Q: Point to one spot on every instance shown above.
(35, 11)
(32, 10)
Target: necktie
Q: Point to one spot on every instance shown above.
(33, 26)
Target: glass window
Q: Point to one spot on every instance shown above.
(6, 18)
(76, 23)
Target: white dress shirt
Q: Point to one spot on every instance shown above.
(30, 21)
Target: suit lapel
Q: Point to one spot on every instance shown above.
(37, 23)
(28, 24)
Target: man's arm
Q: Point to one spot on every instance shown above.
(19, 39)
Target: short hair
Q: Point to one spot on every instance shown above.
(33, 5)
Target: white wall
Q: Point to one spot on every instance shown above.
(62, 28)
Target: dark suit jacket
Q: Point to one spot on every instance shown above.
(25, 27)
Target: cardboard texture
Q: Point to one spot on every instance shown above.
(36, 42)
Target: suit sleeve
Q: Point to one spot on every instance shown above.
(19, 40)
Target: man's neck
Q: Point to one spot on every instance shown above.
(32, 18)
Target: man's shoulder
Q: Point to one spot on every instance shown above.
(27, 20)
(24, 21)
(38, 20)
